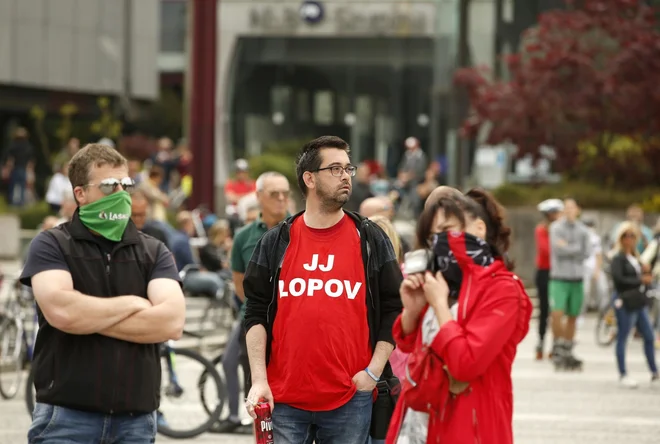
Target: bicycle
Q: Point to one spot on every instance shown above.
(16, 349)
(208, 383)
(606, 327)
(243, 374)
(220, 311)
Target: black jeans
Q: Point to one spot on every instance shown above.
(235, 355)
(542, 280)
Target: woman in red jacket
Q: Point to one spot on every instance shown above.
(458, 387)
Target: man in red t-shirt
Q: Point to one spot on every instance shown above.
(241, 185)
(551, 210)
(322, 294)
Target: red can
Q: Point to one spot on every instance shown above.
(263, 425)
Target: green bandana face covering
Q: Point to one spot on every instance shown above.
(108, 216)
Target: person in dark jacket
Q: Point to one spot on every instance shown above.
(322, 295)
(107, 295)
(19, 156)
(214, 256)
(629, 279)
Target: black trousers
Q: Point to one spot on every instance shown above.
(542, 281)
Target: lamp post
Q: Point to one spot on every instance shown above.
(202, 101)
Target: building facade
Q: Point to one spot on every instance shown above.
(293, 70)
(73, 52)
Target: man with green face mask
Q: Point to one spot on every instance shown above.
(107, 295)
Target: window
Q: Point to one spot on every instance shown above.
(302, 105)
(173, 21)
(324, 108)
(280, 100)
(344, 105)
(364, 111)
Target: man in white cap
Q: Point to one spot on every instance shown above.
(241, 185)
(411, 173)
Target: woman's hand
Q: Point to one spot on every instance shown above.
(436, 290)
(455, 387)
(412, 294)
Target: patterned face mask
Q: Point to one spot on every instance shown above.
(445, 261)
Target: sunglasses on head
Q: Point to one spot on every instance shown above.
(109, 186)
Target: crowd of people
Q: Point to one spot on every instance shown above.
(325, 295)
(573, 264)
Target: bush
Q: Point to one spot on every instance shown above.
(281, 163)
(31, 216)
(290, 147)
(586, 194)
(652, 204)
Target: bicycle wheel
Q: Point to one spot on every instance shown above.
(11, 358)
(219, 316)
(606, 327)
(208, 408)
(30, 392)
(243, 381)
(178, 404)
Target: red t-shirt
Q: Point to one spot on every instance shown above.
(240, 188)
(542, 247)
(320, 334)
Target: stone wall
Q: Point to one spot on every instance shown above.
(10, 236)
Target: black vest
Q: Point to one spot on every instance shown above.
(94, 372)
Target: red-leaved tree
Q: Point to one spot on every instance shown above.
(587, 74)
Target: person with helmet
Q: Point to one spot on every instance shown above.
(551, 210)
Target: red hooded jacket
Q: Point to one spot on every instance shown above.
(479, 348)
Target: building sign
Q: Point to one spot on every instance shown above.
(311, 12)
(395, 22)
(341, 20)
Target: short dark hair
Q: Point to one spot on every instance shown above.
(92, 155)
(310, 157)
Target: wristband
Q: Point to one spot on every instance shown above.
(370, 373)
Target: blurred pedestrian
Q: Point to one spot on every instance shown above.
(551, 210)
(569, 246)
(630, 281)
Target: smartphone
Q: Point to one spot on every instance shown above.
(417, 261)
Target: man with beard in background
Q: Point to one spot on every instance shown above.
(322, 293)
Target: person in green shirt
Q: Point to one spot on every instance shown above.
(273, 194)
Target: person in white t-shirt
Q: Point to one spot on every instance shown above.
(59, 189)
(595, 281)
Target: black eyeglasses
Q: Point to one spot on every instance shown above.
(109, 186)
(337, 170)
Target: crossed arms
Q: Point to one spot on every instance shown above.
(129, 318)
